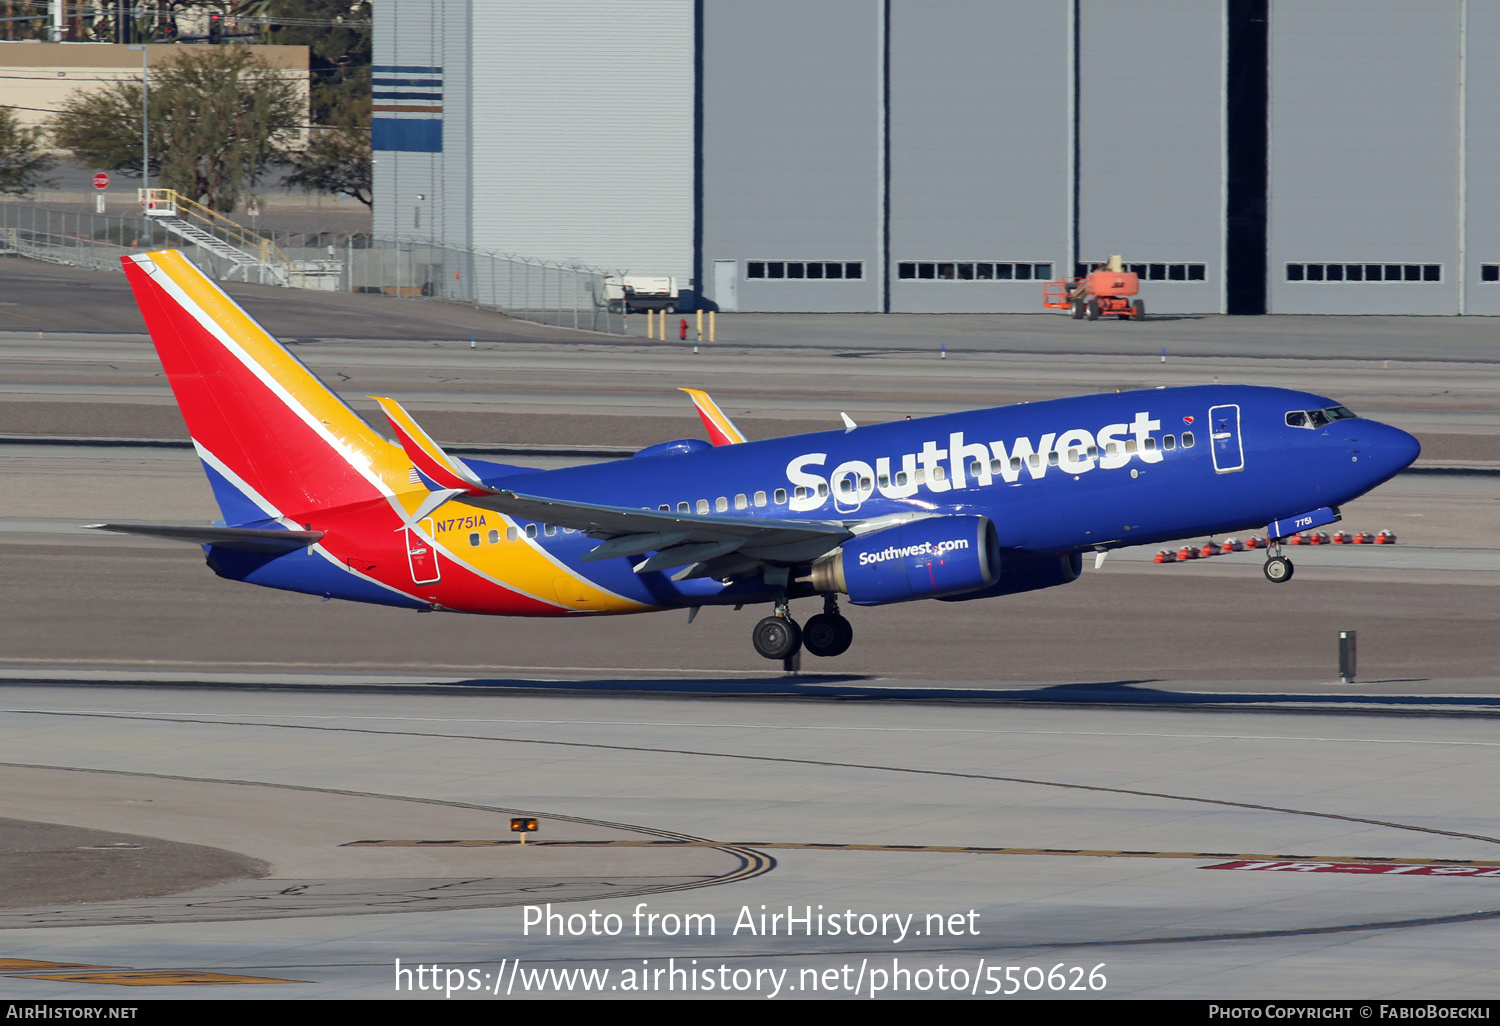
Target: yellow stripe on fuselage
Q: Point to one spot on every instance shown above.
(522, 565)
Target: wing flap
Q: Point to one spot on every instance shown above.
(612, 521)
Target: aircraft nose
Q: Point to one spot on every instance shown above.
(1389, 449)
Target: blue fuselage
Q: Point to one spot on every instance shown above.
(1065, 475)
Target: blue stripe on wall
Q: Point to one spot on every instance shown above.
(411, 136)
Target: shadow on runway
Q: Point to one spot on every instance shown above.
(854, 687)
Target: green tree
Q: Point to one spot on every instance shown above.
(336, 160)
(338, 38)
(220, 116)
(337, 34)
(23, 162)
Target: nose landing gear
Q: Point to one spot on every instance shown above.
(1278, 568)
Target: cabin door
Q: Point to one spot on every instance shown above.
(421, 555)
(1224, 434)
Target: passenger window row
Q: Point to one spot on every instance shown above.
(847, 485)
(513, 533)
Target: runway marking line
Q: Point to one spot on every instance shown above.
(1324, 863)
(1409, 868)
(153, 978)
(19, 965)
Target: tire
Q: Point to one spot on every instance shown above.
(777, 637)
(1278, 569)
(1091, 310)
(827, 635)
(1077, 309)
(1138, 308)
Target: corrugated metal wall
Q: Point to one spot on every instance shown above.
(980, 125)
(1151, 154)
(1364, 156)
(791, 149)
(1481, 242)
(920, 156)
(421, 193)
(583, 132)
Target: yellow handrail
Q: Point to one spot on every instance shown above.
(237, 234)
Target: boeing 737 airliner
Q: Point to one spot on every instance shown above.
(955, 507)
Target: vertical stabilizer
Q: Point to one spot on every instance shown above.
(275, 441)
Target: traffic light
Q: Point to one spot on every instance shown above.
(215, 27)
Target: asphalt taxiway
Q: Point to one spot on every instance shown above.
(1149, 781)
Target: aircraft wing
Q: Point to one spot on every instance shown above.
(708, 545)
(677, 538)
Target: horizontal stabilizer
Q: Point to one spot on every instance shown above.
(244, 539)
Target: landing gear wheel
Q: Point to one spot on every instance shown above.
(1077, 309)
(1091, 310)
(1278, 569)
(777, 637)
(1138, 309)
(827, 634)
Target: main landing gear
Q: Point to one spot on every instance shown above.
(827, 634)
(1278, 568)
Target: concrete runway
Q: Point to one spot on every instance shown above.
(1149, 775)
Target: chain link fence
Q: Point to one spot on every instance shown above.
(533, 290)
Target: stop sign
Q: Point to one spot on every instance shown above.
(101, 181)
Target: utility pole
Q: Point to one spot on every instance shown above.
(145, 129)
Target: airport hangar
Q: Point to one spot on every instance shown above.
(1251, 156)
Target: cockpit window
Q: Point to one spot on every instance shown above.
(1313, 419)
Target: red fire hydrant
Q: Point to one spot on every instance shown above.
(682, 330)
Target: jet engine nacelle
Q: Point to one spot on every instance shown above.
(1028, 573)
(932, 558)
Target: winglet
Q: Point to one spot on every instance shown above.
(444, 472)
(721, 430)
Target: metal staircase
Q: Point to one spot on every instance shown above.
(251, 257)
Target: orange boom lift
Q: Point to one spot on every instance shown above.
(1104, 290)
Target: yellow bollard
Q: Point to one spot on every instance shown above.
(700, 324)
(711, 314)
(650, 324)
